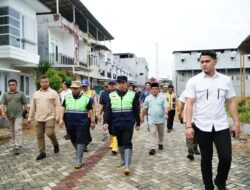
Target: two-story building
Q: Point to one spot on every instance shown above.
(187, 64)
(18, 43)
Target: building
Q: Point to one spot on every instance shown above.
(137, 67)
(187, 65)
(71, 38)
(18, 43)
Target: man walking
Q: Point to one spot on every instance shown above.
(45, 107)
(208, 91)
(157, 108)
(171, 98)
(123, 112)
(191, 143)
(104, 98)
(77, 108)
(14, 103)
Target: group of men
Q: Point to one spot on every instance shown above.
(123, 110)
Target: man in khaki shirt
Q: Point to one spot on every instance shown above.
(45, 107)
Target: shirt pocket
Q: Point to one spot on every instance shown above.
(201, 94)
(221, 93)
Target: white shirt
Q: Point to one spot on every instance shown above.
(210, 94)
(64, 93)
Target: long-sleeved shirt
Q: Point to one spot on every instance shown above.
(136, 108)
(45, 105)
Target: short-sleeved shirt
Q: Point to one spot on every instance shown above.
(156, 106)
(104, 97)
(210, 94)
(14, 102)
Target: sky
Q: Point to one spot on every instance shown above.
(138, 25)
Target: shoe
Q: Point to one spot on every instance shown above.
(86, 149)
(196, 151)
(190, 156)
(56, 149)
(169, 130)
(41, 156)
(160, 146)
(78, 166)
(152, 152)
(220, 187)
(66, 137)
(126, 171)
(17, 151)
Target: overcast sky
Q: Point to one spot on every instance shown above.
(137, 25)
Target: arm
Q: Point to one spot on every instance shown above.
(32, 110)
(62, 115)
(235, 116)
(181, 109)
(136, 110)
(58, 107)
(189, 115)
(166, 108)
(91, 113)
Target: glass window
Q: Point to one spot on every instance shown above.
(14, 41)
(14, 22)
(14, 13)
(22, 83)
(4, 39)
(4, 29)
(4, 20)
(27, 85)
(14, 31)
(4, 11)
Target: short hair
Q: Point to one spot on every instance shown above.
(12, 80)
(67, 83)
(170, 86)
(43, 77)
(147, 83)
(209, 53)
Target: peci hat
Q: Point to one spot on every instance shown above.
(155, 84)
(122, 79)
(75, 84)
(85, 83)
(112, 82)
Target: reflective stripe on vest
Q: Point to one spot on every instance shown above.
(123, 104)
(171, 100)
(76, 105)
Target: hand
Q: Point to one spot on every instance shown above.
(137, 128)
(180, 116)
(57, 120)
(165, 116)
(100, 118)
(105, 127)
(29, 120)
(236, 129)
(142, 119)
(61, 123)
(189, 133)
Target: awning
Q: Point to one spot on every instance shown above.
(99, 46)
(10, 70)
(244, 47)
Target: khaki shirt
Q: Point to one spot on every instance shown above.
(45, 105)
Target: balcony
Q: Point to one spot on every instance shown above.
(18, 55)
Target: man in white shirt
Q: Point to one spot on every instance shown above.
(206, 94)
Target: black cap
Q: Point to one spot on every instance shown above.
(155, 84)
(122, 79)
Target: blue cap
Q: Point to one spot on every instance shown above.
(112, 82)
(85, 83)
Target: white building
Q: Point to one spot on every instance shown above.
(137, 67)
(187, 65)
(18, 43)
(71, 38)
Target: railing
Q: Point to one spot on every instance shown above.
(61, 59)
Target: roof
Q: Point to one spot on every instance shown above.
(83, 16)
(244, 47)
(217, 50)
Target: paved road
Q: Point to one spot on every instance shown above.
(168, 169)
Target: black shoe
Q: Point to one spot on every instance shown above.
(41, 156)
(196, 151)
(66, 136)
(160, 146)
(17, 151)
(169, 130)
(190, 156)
(56, 149)
(86, 149)
(220, 187)
(152, 152)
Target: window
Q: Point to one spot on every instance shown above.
(232, 58)
(22, 83)
(182, 60)
(10, 27)
(248, 58)
(27, 86)
(141, 74)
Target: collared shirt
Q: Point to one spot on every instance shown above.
(156, 106)
(210, 94)
(45, 105)
(14, 102)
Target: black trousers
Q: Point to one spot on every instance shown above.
(170, 120)
(222, 141)
(78, 135)
(124, 134)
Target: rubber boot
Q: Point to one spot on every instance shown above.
(115, 145)
(127, 158)
(111, 141)
(79, 155)
(121, 151)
